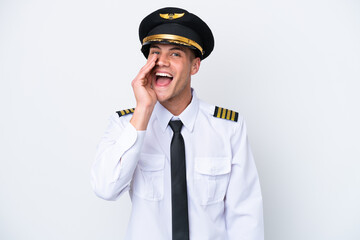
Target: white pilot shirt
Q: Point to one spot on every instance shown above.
(224, 196)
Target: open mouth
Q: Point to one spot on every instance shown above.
(163, 79)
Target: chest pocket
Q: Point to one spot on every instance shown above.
(211, 179)
(148, 181)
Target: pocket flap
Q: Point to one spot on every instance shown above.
(151, 162)
(212, 166)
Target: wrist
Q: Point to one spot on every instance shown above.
(145, 107)
(141, 116)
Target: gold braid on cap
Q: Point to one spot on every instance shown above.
(173, 39)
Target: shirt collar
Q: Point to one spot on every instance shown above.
(188, 116)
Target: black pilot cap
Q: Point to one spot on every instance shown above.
(176, 26)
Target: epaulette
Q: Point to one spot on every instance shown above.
(125, 112)
(226, 114)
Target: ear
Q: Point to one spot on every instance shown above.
(195, 65)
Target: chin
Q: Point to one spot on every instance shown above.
(161, 98)
(161, 95)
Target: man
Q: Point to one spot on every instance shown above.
(187, 164)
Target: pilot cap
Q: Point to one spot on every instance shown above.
(176, 26)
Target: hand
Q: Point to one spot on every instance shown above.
(145, 96)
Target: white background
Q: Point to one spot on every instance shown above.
(292, 68)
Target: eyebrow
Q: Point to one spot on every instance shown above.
(178, 48)
(154, 46)
(171, 49)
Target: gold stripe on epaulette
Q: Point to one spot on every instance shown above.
(125, 112)
(226, 114)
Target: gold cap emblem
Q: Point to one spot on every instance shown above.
(171, 16)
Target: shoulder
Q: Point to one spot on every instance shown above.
(223, 113)
(121, 117)
(220, 114)
(125, 112)
(224, 122)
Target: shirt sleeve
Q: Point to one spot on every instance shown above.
(243, 202)
(116, 158)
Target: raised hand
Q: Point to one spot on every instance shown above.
(145, 96)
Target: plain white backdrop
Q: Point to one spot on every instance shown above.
(291, 68)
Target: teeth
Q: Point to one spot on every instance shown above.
(163, 75)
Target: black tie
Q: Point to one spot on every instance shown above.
(180, 218)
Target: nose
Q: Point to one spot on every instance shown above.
(162, 61)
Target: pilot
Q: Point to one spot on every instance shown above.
(186, 164)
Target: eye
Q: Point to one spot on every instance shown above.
(154, 52)
(175, 54)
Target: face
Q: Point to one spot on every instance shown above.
(171, 75)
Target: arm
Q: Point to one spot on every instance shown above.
(116, 158)
(118, 152)
(243, 203)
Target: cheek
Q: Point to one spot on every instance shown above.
(183, 69)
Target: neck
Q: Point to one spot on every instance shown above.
(177, 106)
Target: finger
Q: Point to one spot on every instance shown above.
(153, 57)
(150, 62)
(149, 80)
(145, 71)
(149, 65)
